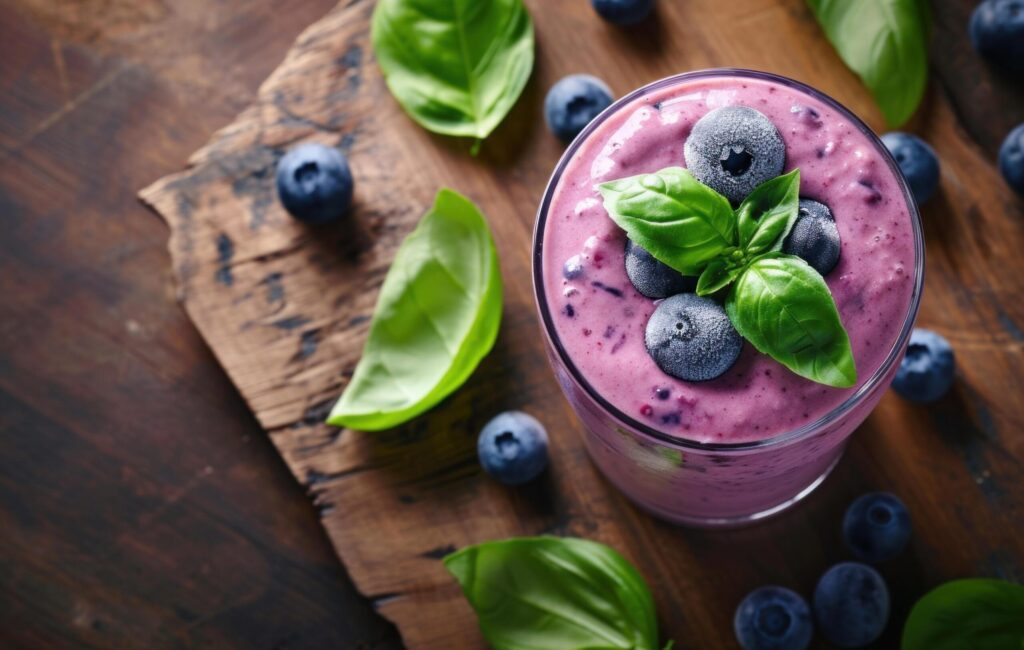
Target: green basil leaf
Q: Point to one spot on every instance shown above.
(768, 214)
(437, 316)
(681, 221)
(455, 66)
(550, 593)
(978, 614)
(784, 308)
(718, 274)
(885, 43)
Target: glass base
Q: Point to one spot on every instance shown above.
(744, 520)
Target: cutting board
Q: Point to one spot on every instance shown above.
(286, 308)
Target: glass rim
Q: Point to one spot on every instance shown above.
(785, 437)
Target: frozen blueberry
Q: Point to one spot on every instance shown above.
(814, 237)
(917, 161)
(513, 447)
(652, 278)
(997, 32)
(773, 618)
(314, 183)
(876, 527)
(851, 604)
(734, 149)
(573, 268)
(1011, 159)
(623, 12)
(691, 338)
(573, 102)
(926, 372)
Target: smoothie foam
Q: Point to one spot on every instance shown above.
(599, 318)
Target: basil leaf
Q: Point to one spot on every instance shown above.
(977, 613)
(784, 308)
(681, 221)
(550, 593)
(437, 316)
(768, 214)
(719, 273)
(455, 66)
(885, 43)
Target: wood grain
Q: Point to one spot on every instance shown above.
(141, 505)
(285, 309)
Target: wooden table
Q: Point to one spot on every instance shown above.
(140, 503)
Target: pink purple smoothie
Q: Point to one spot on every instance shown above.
(599, 317)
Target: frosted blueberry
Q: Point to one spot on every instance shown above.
(691, 338)
(652, 278)
(734, 149)
(814, 237)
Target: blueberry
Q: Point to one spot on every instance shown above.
(573, 102)
(623, 12)
(773, 618)
(876, 527)
(652, 278)
(573, 268)
(814, 237)
(513, 447)
(917, 161)
(851, 604)
(314, 183)
(926, 372)
(1011, 159)
(997, 32)
(734, 149)
(690, 337)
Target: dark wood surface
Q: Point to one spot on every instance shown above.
(141, 503)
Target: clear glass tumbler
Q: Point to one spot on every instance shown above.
(716, 484)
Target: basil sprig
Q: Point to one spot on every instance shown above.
(777, 302)
(436, 318)
(458, 66)
(551, 593)
(977, 613)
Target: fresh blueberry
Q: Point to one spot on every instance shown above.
(917, 161)
(814, 237)
(876, 527)
(314, 183)
(690, 337)
(851, 604)
(652, 278)
(623, 12)
(926, 372)
(513, 447)
(734, 149)
(997, 31)
(573, 102)
(773, 618)
(1011, 159)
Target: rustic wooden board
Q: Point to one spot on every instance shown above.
(285, 308)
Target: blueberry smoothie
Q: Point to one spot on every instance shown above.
(719, 432)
